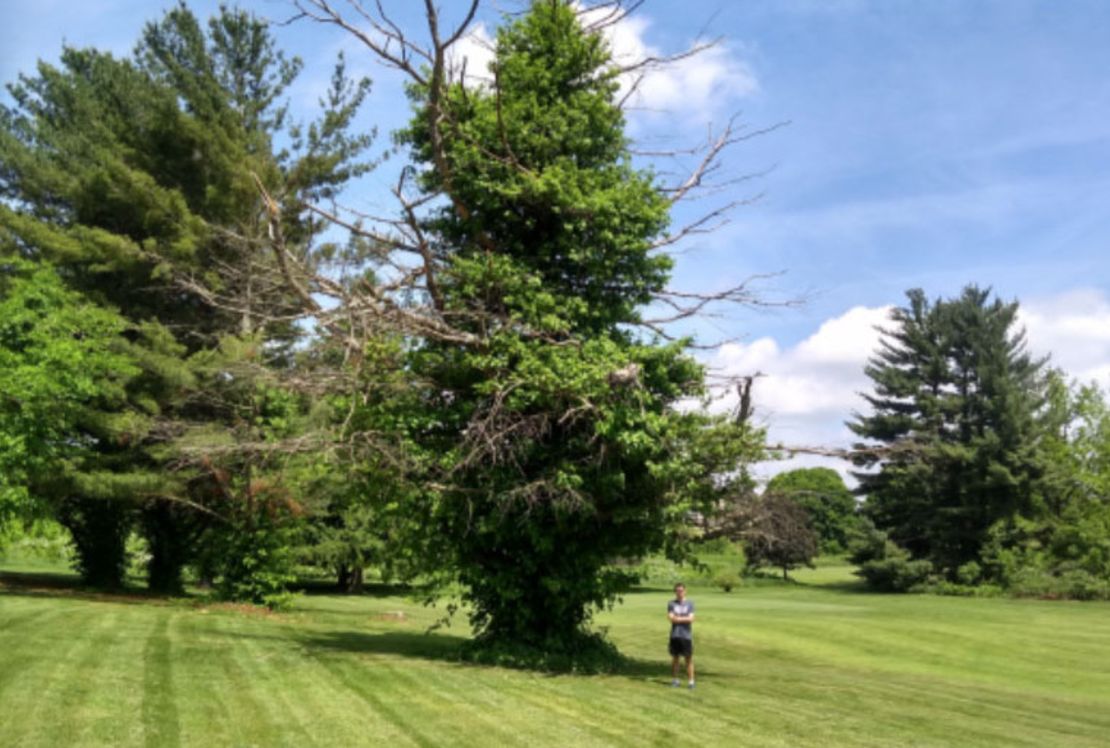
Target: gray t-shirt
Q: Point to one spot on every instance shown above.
(684, 608)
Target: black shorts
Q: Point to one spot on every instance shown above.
(681, 647)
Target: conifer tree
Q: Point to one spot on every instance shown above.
(557, 427)
(139, 179)
(956, 396)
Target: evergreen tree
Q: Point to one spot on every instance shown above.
(139, 180)
(555, 428)
(956, 397)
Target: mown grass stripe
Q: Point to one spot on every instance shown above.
(376, 687)
(161, 726)
(270, 665)
(69, 677)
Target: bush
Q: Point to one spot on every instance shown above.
(955, 589)
(42, 539)
(895, 571)
(1073, 584)
(867, 543)
(970, 573)
(252, 563)
(726, 580)
(656, 570)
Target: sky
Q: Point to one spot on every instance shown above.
(925, 145)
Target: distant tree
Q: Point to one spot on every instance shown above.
(827, 500)
(1063, 549)
(955, 404)
(780, 535)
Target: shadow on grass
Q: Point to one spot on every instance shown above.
(852, 587)
(440, 647)
(68, 586)
(316, 587)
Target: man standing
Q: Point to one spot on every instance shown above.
(680, 612)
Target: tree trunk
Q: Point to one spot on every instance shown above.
(350, 579)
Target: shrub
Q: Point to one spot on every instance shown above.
(896, 573)
(970, 573)
(726, 580)
(252, 562)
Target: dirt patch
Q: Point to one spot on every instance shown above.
(394, 616)
(243, 609)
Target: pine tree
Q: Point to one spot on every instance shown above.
(139, 178)
(956, 396)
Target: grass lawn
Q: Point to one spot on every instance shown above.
(818, 663)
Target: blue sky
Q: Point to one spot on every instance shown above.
(930, 144)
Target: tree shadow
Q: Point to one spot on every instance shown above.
(314, 588)
(449, 648)
(67, 586)
(853, 587)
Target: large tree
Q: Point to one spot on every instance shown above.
(139, 179)
(546, 412)
(955, 401)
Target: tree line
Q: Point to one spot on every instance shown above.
(468, 394)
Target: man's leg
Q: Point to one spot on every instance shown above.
(690, 669)
(674, 670)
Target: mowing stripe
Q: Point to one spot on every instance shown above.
(354, 677)
(161, 726)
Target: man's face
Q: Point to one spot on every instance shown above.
(680, 593)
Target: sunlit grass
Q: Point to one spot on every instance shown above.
(818, 662)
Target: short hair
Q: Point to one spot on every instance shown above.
(680, 584)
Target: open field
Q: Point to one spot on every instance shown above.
(812, 664)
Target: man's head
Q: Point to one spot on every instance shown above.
(680, 592)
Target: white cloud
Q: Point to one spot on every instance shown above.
(476, 51)
(1074, 328)
(697, 85)
(808, 391)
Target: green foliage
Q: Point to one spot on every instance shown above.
(727, 580)
(556, 430)
(828, 502)
(956, 396)
(59, 357)
(252, 559)
(38, 540)
(360, 510)
(1063, 549)
(883, 564)
(136, 177)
